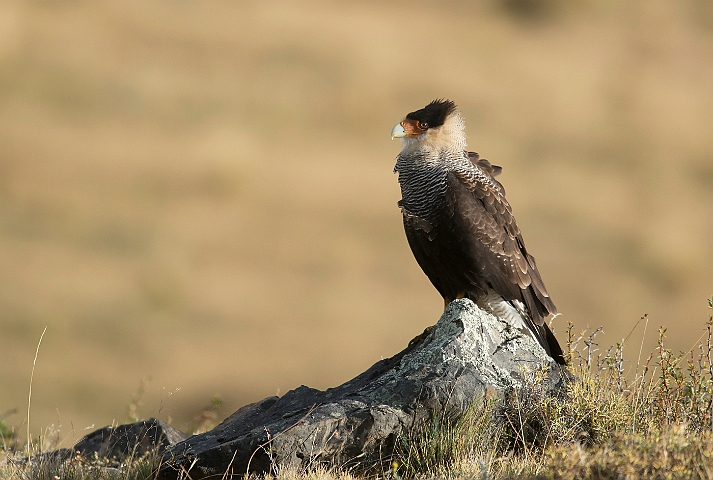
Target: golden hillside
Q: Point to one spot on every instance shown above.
(202, 192)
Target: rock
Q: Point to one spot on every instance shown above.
(357, 424)
(118, 443)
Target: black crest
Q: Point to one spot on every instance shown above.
(433, 114)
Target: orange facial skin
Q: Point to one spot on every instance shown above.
(413, 128)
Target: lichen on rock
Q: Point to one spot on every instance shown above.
(468, 352)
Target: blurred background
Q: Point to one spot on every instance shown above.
(197, 198)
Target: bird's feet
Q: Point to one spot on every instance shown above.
(447, 300)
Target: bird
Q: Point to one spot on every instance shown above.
(460, 227)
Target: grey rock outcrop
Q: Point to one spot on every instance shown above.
(358, 423)
(120, 442)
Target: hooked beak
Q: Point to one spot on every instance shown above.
(398, 131)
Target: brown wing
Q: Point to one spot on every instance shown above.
(488, 168)
(492, 170)
(493, 241)
(474, 244)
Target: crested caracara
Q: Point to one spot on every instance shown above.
(461, 228)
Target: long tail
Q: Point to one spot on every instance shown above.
(547, 339)
(518, 315)
(555, 350)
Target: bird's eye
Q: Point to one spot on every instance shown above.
(422, 125)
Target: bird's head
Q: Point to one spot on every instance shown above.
(438, 125)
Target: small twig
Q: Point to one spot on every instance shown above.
(710, 365)
(589, 342)
(185, 472)
(158, 469)
(570, 326)
(663, 358)
(270, 440)
(230, 464)
(641, 348)
(29, 396)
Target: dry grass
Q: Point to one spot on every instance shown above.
(655, 423)
(79, 469)
(202, 192)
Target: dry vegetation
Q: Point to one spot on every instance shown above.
(654, 421)
(201, 192)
